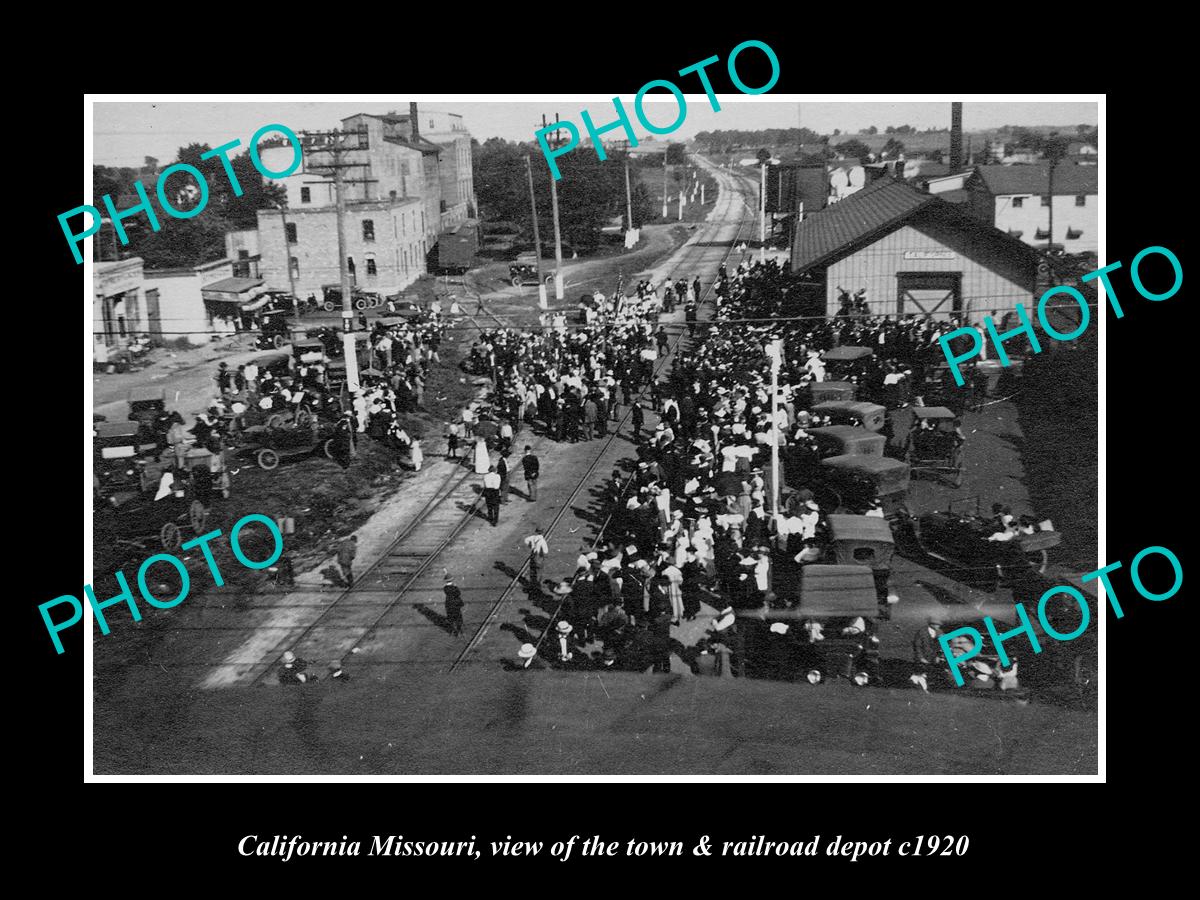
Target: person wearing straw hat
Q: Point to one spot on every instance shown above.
(293, 670)
(528, 658)
(336, 672)
(563, 632)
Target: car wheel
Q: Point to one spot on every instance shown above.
(549, 279)
(275, 420)
(516, 281)
(267, 458)
(327, 447)
(170, 536)
(277, 342)
(360, 304)
(329, 306)
(303, 418)
(1038, 560)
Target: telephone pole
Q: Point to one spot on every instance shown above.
(537, 237)
(666, 153)
(558, 278)
(628, 200)
(336, 145)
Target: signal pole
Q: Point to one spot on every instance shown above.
(628, 200)
(665, 154)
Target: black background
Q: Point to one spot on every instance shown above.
(1150, 479)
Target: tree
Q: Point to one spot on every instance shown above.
(893, 147)
(871, 130)
(676, 155)
(853, 148)
(836, 132)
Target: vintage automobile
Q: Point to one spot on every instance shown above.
(146, 405)
(851, 483)
(870, 416)
(524, 270)
(829, 391)
(274, 330)
(279, 364)
(934, 443)
(1062, 672)
(779, 642)
(847, 440)
(360, 300)
(842, 363)
(863, 541)
(267, 445)
(120, 449)
(962, 541)
(125, 509)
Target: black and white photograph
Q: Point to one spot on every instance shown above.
(734, 435)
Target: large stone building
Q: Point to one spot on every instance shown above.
(403, 188)
(386, 243)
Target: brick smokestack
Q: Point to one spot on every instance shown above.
(412, 120)
(956, 137)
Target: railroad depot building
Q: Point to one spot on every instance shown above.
(915, 254)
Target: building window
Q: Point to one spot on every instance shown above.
(371, 267)
(1045, 199)
(368, 226)
(350, 264)
(305, 195)
(290, 228)
(1018, 202)
(295, 264)
(1074, 234)
(1081, 199)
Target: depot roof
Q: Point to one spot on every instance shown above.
(878, 209)
(1068, 179)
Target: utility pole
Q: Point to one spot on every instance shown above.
(775, 352)
(681, 204)
(537, 238)
(287, 255)
(628, 199)
(558, 278)
(666, 153)
(334, 143)
(763, 158)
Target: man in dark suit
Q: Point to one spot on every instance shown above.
(532, 468)
(454, 606)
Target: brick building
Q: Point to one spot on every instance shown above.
(386, 244)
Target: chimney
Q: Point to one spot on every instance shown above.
(412, 120)
(956, 137)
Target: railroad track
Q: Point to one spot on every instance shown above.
(384, 595)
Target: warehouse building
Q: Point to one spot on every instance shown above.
(915, 254)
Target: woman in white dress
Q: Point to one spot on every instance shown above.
(482, 461)
(416, 455)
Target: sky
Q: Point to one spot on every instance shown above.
(125, 132)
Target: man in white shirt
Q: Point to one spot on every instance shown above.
(491, 495)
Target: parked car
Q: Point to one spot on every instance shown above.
(962, 541)
(268, 445)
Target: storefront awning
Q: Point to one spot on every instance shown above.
(231, 290)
